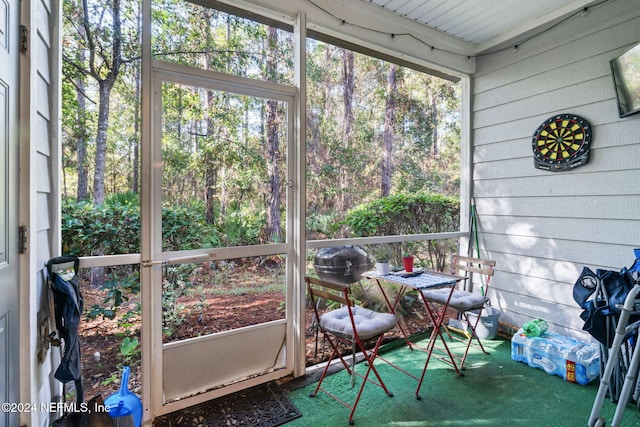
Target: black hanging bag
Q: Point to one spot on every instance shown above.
(68, 304)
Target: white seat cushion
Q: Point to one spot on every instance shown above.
(369, 323)
(460, 300)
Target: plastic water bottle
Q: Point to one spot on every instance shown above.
(535, 328)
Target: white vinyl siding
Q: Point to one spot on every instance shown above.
(543, 227)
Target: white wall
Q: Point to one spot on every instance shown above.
(39, 204)
(543, 227)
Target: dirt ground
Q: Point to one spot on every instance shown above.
(100, 338)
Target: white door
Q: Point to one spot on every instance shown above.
(237, 292)
(9, 302)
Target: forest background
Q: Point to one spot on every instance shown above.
(382, 143)
(374, 128)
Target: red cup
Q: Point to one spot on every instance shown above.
(408, 264)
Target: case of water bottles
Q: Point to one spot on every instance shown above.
(565, 357)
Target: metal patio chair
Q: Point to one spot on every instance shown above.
(349, 327)
(464, 301)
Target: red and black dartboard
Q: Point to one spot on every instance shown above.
(561, 143)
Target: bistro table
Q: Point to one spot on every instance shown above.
(417, 281)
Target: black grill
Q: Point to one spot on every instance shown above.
(342, 264)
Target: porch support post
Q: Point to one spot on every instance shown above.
(466, 161)
(300, 202)
(151, 361)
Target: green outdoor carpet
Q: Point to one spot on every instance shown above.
(495, 391)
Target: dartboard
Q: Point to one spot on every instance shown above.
(562, 142)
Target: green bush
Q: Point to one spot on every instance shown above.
(114, 228)
(415, 213)
(405, 214)
(111, 228)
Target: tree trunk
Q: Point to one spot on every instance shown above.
(389, 126)
(135, 166)
(209, 191)
(327, 80)
(81, 141)
(210, 167)
(434, 124)
(101, 142)
(80, 128)
(349, 83)
(348, 65)
(210, 163)
(274, 231)
(105, 85)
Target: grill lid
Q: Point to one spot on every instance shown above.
(342, 264)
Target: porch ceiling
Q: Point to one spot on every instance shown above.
(486, 24)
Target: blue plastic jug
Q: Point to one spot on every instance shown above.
(124, 402)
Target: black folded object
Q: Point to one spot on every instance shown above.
(601, 294)
(68, 303)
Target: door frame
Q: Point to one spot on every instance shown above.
(12, 313)
(153, 350)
